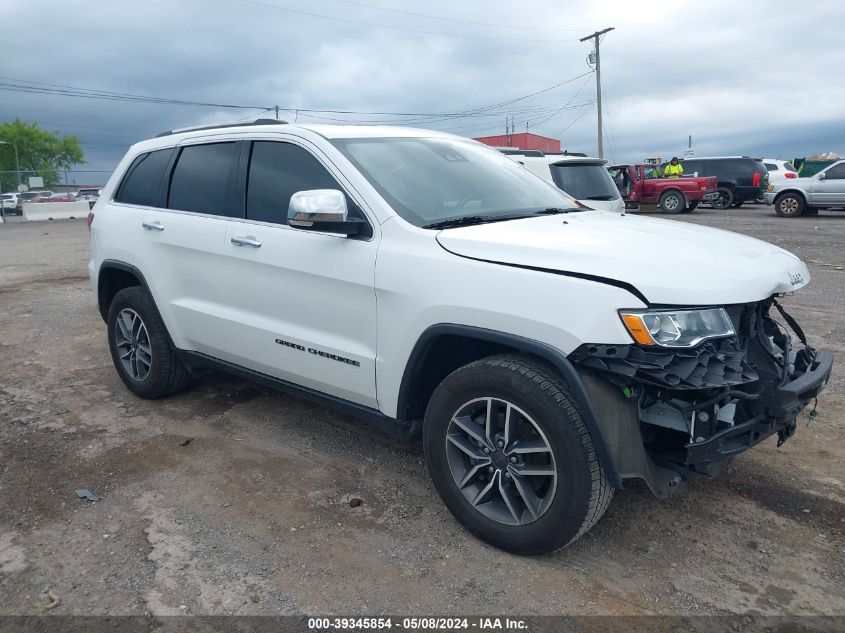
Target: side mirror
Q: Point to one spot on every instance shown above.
(821, 175)
(322, 210)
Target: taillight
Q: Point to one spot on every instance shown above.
(755, 182)
(89, 221)
(791, 174)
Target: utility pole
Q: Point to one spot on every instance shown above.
(595, 36)
(17, 160)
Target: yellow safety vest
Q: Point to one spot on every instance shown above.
(673, 171)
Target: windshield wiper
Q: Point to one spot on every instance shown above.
(469, 220)
(556, 210)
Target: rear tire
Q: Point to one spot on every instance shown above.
(672, 202)
(141, 350)
(724, 200)
(737, 205)
(487, 473)
(692, 205)
(789, 205)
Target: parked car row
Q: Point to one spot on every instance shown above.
(12, 203)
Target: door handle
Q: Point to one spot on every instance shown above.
(152, 226)
(246, 240)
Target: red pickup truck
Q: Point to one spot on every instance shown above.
(672, 195)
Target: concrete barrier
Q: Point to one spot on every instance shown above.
(38, 211)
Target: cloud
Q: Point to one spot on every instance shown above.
(740, 77)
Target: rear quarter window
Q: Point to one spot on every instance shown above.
(142, 183)
(771, 166)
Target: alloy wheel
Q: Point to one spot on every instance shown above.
(501, 461)
(789, 206)
(133, 344)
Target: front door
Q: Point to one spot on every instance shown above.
(303, 304)
(830, 191)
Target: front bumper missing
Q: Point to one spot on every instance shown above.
(787, 403)
(698, 407)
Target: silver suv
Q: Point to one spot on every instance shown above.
(805, 196)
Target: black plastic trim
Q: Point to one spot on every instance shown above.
(113, 264)
(565, 273)
(537, 348)
(404, 430)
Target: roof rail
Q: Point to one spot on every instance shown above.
(221, 126)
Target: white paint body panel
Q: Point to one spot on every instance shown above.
(370, 300)
(669, 262)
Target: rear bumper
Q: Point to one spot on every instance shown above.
(769, 197)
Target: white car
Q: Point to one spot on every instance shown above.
(584, 178)
(779, 170)
(425, 282)
(8, 201)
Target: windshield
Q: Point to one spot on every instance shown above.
(585, 182)
(431, 180)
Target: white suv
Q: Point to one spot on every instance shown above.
(430, 284)
(584, 178)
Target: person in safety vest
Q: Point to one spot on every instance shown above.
(674, 169)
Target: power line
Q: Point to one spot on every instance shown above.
(457, 20)
(21, 85)
(398, 28)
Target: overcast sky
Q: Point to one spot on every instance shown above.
(759, 78)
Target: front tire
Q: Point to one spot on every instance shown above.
(511, 457)
(141, 350)
(672, 202)
(789, 205)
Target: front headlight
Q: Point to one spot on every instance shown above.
(677, 328)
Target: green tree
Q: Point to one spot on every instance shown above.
(41, 153)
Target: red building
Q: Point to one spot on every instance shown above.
(524, 140)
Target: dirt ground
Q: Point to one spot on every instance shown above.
(251, 516)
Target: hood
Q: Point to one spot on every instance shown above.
(667, 261)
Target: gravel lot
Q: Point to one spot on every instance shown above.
(251, 517)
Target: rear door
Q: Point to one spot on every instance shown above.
(304, 301)
(185, 241)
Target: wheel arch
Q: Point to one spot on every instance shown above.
(783, 192)
(113, 277)
(444, 347)
(673, 190)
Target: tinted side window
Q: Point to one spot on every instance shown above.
(692, 166)
(202, 177)
(276, 172)
(738, 167)
(142, 182)
(771, 167)
(837, 172)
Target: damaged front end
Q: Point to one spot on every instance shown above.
(692, 408)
